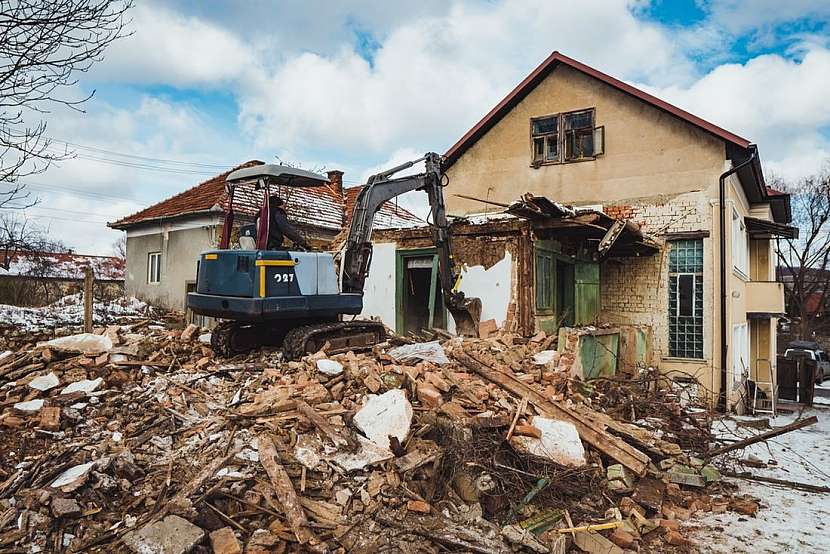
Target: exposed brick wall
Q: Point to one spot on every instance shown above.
(635, 290)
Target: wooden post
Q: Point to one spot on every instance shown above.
(89, 280)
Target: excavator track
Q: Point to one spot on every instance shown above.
(232, 338)
(341, 336)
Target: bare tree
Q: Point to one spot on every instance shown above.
(804, 263)
(44, 44)
(119, 247)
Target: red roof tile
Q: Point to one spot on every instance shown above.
(61, 265)
(319, 206)
(389, 216)
(543, 70)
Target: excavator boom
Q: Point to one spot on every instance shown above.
(466, 312)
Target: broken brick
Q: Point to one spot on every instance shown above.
(418, 506)
(429, 396)
(50, 418)
(224, 541)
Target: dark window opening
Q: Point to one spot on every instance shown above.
(566, 137)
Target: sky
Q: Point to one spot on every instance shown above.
(201, 86)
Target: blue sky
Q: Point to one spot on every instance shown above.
(362, 85)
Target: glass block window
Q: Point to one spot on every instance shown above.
(686, 299)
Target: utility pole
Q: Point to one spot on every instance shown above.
(89, 280)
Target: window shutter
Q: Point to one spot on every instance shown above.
(599, 140)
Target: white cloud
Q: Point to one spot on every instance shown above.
(778, 103)
(168, 48)
(435, 76)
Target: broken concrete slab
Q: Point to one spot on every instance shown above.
(85, 385)
(559, 443)
(383, 415)
(30, 406)
(172, 535)
(45, 382)
(84, 343)
(73, 478)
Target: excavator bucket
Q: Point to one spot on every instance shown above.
(467, 316)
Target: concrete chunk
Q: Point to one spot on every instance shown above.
(172, 535)
(387, 414)
(559, 443)
(45, 382)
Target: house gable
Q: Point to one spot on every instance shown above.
(648, 150)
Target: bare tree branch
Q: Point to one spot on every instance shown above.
(804, 263)
(44, 45)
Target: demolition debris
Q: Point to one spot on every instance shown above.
(137, 438)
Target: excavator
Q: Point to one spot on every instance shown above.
(291, 298)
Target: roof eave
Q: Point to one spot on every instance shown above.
(123, 226)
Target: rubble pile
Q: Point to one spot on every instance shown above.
(135, 437)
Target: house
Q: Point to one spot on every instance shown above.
(571, 135)
(35, 278)
(164, 240)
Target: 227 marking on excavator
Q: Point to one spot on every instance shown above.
(284, 277)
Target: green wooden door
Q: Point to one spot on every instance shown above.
(586, 277)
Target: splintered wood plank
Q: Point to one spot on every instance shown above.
(608, 444)
(284, 489)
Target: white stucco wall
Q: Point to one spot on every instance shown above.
(492, 286)
(379, 290)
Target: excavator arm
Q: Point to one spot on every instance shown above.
(358, 252)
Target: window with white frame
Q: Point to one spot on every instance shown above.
(154, 267)
(740, 246)
(740, 353)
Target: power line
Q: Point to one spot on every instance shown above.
(143, 158)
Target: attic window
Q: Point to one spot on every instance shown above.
(566, 137)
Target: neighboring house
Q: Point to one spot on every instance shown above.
(30, 278)
(574, 135)
(164, 240)
(815, 280)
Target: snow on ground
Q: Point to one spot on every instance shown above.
(789, 520)
(68, 311)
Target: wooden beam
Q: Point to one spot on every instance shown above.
(764, 436)
(791, 484)
(597, 437)
(284, 489)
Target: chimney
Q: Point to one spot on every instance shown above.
(336, 178)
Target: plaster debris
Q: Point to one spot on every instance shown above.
(85, 385)
(45, 382)
(30, 406)
(424, 351)
(328, 367)
(73, 477)
(84, 343)
(559, 443)
(385, 415)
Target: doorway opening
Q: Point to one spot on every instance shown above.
(419, 301)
